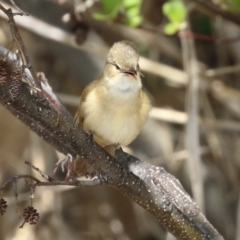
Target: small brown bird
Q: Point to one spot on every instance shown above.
(114, 107)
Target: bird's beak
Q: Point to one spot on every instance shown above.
(131, 72)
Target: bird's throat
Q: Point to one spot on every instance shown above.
(124, 84)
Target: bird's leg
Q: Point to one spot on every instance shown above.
(66, 161)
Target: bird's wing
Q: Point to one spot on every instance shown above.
(79, 116)
(79, 119)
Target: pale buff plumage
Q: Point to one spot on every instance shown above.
(114, 108)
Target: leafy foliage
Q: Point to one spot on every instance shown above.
(131, 9)
(111, 9)
(175, 11)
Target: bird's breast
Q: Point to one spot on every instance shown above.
(113, 117)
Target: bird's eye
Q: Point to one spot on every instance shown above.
(117, 67)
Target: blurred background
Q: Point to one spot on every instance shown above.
(191, 64)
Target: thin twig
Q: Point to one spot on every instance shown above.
(218, 72)
(21, 12)
(238, 219)
(45, 176)
(21, 47)
(192, 127)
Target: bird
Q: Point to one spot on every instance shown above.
(114, 107)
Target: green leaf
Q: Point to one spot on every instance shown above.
(171, 28)
(134, 21)
(101, 16)
(111, 9)
(175, 11)
(132, 3)
(111, 5)
(133, 11)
